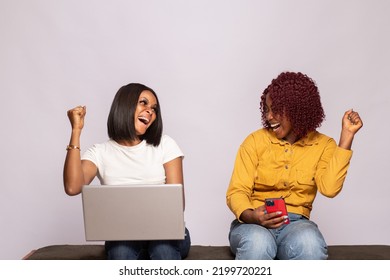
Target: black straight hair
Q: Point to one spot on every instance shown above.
(120, 123)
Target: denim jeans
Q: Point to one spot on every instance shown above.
(299, 240)
(153, 250)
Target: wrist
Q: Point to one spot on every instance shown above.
(248, 216)
(346, 139)
(72, 147)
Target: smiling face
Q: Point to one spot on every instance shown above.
(145, 112)
(280, 125)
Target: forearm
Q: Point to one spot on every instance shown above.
(248, 217)
(346, 139)
(239, 203)
(73, 173)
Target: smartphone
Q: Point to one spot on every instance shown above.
(276, 204)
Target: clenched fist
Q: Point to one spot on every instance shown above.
(76, 117)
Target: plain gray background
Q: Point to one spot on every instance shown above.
(208, 61)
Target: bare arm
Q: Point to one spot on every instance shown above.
(351, 123)
(174, 173)
(76, 172)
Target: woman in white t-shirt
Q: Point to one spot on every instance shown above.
(136, 152)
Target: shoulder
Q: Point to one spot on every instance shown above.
(256, 142)
(258, 136)
(101, 148)
(167, 141)
(166, 138)
(104, 145)
(95, 152)
(170, 148)
(320, 138)
(167, 144)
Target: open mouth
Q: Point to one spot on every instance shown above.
(144, 120)
(275, 126)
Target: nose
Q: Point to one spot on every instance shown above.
(149, 109)
(269, 115)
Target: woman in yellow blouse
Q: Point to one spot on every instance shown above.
(287, 159)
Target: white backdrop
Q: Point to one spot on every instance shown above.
(208, 61)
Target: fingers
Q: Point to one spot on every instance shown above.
(269, 220)
(79, 110)
(353, 116)
(352, 120)
(276, 219)
(76, 116)
(274, 222)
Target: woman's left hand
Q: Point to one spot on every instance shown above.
(351, 124)
(351, 121)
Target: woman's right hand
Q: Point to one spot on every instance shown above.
(76, 117)
(261, 217)
(268, 220)
(77, 172)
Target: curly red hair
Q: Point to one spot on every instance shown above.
(296, 96)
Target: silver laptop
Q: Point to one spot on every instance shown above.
(133, 212)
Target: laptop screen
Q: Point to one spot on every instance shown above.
(133, 212)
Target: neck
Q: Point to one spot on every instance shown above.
(129, 142)
(291, 139)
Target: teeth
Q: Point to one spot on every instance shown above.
(275, 126)
(144, 120)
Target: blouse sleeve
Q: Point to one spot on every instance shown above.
(238, 196)
(332, 169)
(170, 149)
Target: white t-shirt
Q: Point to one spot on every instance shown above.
(140, 164)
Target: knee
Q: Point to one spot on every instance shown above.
(313, 246)
(121, 250)
(164, 250)
(256, 244)
(257, 239)
(309, 244)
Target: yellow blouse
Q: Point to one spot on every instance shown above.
(267, 167)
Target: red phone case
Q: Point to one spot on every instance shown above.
(276, 204)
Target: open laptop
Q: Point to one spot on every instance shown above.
(133, 212)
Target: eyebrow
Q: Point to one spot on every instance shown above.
(143, 98)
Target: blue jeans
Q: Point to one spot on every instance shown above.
(153, 250)
(299, 240)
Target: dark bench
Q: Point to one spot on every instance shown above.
(197, 252)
